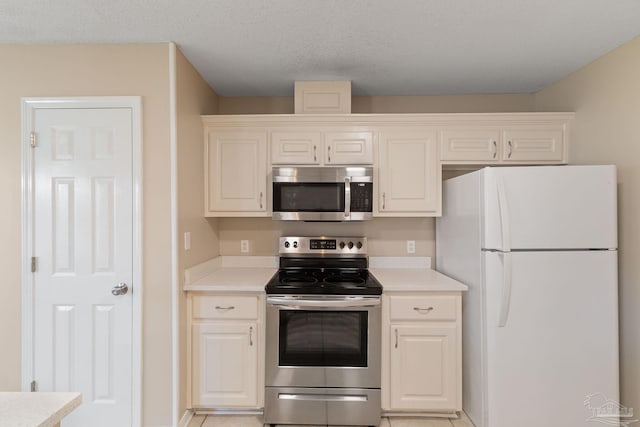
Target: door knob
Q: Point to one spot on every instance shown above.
(120, 289)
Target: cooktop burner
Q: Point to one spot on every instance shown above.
(316, 281)
(323, 265)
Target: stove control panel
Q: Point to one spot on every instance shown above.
(323, 246)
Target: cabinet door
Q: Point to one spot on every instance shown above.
(533, 146)
(409, 173)
(423, 367)
(236, 173)
(290, 148)
(224, 365)
(348, 148)
(482, 146)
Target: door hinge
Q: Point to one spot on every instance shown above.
(34, 386)
(34, 264)
(34, 139)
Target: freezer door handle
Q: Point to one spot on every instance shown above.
(505, 228)
(506, 289)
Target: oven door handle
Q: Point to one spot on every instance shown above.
(299, 303)
(325, 397)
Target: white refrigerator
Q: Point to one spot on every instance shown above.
(537, 247)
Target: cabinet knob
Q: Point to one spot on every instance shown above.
(329, 151)
(396, 338)
(251, 336)
(510, 150)
(423, 310)
(261, 200)
(315, 158)
(495, 149)
(384, 200)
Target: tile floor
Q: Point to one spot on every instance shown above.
(256, 421)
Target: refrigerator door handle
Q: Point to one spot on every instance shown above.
(505, 227)
(506, 289)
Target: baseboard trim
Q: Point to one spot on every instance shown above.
(186, 419)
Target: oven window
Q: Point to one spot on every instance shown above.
(323, 338)
(308, 197)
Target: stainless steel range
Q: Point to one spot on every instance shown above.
(323, 334)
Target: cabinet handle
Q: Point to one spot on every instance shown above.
(261, 200)
(396, 338)
(231, 307)
(510, 150)
(421, 310)
(329, 150)
(315, 157)
(384, 200)
(251, 336)
(495, 149)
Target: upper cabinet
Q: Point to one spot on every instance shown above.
(235, 173)
(340, 147)
(509, 141)
(407, 151)
(409, 173)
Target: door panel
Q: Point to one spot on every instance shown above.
(560, 341)
(83, 228)
(552, 207)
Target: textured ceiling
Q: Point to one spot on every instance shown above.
(385, 47)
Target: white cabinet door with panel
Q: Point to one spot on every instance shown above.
(236, 173)
(225, 364)
(471, 145)
(296, 148)
(348, 148)
(423, 367)
(409, 173)
(541, 145)
(225, 351)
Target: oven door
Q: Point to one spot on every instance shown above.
(323, 341)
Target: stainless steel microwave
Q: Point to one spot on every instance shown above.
(322, 193)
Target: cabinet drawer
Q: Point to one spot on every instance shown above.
(423, 307)
(225, 307)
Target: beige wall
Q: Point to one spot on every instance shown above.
(81, 70)
(194, 97)
(606, 98)
(386, 236)
(389, 104)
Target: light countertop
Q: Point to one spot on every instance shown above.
(231, 273)
(415, 279)
(22, 409)
(251, 274)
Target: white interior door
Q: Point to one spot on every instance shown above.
(83, 241)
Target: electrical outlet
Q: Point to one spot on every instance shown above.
(187, 241)
(244, 246)
(411, 246)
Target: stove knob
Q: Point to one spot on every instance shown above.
(287, 244)
(295, 244)
(359, 245)
(350, 245)
(342, 245)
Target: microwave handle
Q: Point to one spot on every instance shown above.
(347, 196)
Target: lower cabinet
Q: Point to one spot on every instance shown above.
(423, 353)
(226, 352)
